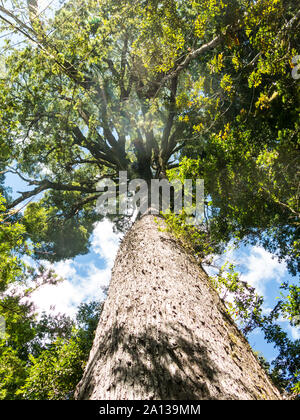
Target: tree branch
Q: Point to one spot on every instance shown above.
(105, 154)
(43, 43)
(170, 119)
(174, 72)
(46, 185)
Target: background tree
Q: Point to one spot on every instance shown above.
(42, 356)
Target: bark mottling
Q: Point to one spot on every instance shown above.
(164, 332)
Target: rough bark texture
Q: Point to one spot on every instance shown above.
(164, 332)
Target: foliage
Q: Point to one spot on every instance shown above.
(40, 357)
(12, 373)
(140, 87)
(49, 363)
(246, 307)
(55, 372)
(11, 243)
(160, 89)
(246, 126)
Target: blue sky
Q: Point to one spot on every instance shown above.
(261, 270)
(87, 275)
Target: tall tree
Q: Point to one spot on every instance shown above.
(79, 106)
(164, 332)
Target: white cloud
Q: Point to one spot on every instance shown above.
(262, 268)
(65, 268)
(105, 242)
(44, 170)
(62, 298)
(65, 296)
(76, 288)
(295, 332)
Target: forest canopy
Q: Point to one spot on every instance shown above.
(161, 89)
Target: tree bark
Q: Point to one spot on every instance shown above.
(164, 333)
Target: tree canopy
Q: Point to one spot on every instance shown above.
(160, 89)
(140, 86)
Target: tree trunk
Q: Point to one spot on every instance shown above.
(164, 333)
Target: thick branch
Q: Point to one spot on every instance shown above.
(79, 205)
(28, 194)
(101, 152)
(174, 72)
(170, 119)
(107, 132)
(42, 42)
(46, 185)
(22, 25)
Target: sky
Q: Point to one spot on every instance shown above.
(87, 276)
